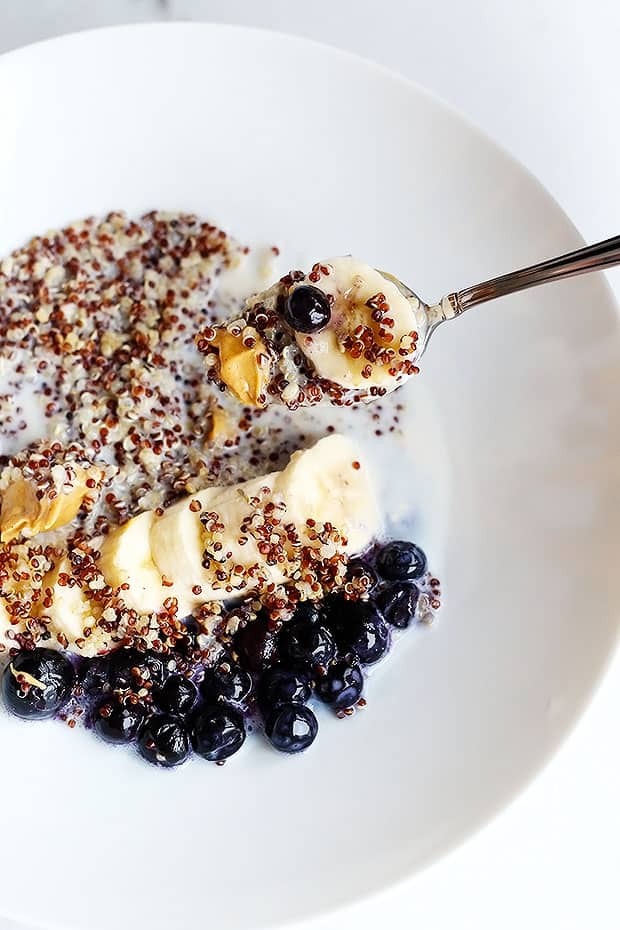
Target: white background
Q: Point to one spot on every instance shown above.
(543, 78)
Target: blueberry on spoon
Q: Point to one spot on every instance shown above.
(307, 309)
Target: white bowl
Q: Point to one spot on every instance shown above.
(519, 423)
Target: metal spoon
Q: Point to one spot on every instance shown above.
(590, 258)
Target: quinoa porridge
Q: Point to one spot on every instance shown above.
(184, 547)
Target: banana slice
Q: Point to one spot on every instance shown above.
(331, 482)
(371, 338)
(126, 559)
(207, 529)
(20, 591)
(71, 615)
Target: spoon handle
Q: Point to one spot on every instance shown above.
(590, 258)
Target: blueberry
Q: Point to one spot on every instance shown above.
(177, 696)
(256, 645)
(304, 643)
(398, 603)
(188, 642)
(94, 675)
(370, 639)
(118, 722)
(339, 615)
(362, 575)
(122, 663)
(338, 618)
(307, 309)
(159, 666)
(280, 685)
(309, 611)
(164, 740)
(130, 668)
(342, 686)
(217, 732)
(359, 628)
(226, 682)
(401, 561)
(291, 727)
(37, 682)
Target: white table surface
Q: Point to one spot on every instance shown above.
(542, 77)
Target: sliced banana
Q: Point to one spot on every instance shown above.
(331, 483)
(224, 542)
(20, 591)
(373, 332)
(210, 523)
(71, 615)
(126, 559)
(219, 543)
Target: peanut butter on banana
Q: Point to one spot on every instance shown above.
(244, 364)
(27, 510)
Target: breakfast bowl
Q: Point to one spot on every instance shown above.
(500, 459)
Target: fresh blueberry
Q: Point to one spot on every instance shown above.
(94, 675)
(339, 615)
(401, 561)
(122, 663)
(177, 696)
(306, 644)
(159, 666)
(217, 732)
(130, 668)
(188, 642)
(359, 628)
(118, 722)
(342, 686)
(307, 309)
(37, 682)
(256, 645)
(280, 685)
(164, 740)
(226, 682)
(398, 603)
(309, 611)
(370, 639)
(362, 575)
(291, 727)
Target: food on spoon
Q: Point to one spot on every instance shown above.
(343, 333)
